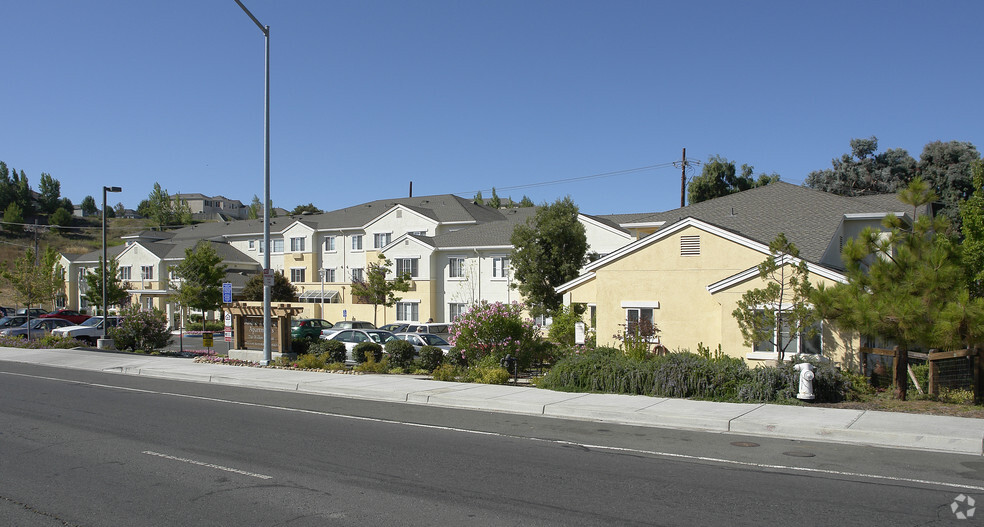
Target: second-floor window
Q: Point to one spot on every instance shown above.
(500, 267)
(357, 274)
(329, 275)
(357, 242)
(407, 266)
(456, 267)
(146, 272)
(126, 273)
(297, 274)
(330, 244)
(381, 239)
(297, 245)
(278, 245)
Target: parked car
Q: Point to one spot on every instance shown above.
(36, 312)
(4, 311)
(437, 328)
(89, 331)
(395, 328)
(39, 327)
(70, 315)
(308, 328)
(12, 321)
(420, 340)
(352, 337)
(353, 324)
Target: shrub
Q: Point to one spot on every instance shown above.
(141, 330)
(562, 329)
(299, 346)
(363, 348)
(331, 350)
(446, 372)
(400, 353)
(310, 361)
(371, 365)
(431, 358)
(487, 371)
(494, 329)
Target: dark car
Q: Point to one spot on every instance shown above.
(70, 315)
(12, 321)
(353, 324)
(36, 312)
(39, 327)
(396, 327)
(308, 328)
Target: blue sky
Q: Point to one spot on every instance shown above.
(460, 96)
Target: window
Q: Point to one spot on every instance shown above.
(330, 244)
(147, 303)
(455, 310)
(296, 245)
(146, 272)
(357, 242)
(417, 233)
(456, 267)
(252, 245)
(407, 266)
(329, 275)
(125, 273)
(277, 244)
(381, 239)
(807, 341)
(639, 322)
(261, 246)
(357, 274)
(407, 311)
(689, 245)
(297, 274)
(500, 267)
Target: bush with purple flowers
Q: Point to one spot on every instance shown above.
(495, 329)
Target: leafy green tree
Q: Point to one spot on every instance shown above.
(160, 208)
(494, 202)
(61, 218)
(22, 193)
(719, 178)
(548, 250)
(115, 287)
(947, 168)
(972, 226)
(49, 193)
(116, 211)
(784, 302)
(36, 280)
(281, 291)
(143, 208)
(376, 289)
(6, 186)
(13, 218)
(478, 200)
(309, 208)
(89, 206)
(864, 172)
(255, 209)
(526, 202)
(907, 286)
(200, 274)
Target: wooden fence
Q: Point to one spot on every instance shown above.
(935, 359)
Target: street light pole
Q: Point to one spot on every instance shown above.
(104, 343)
(267, 355)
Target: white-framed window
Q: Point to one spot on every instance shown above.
(297, 245)
(297, 274)
(262, 247)
(407, 311)
(330, 244)
(356, 242)
(252, 245)
(329, 274)
(407, 266)
(381, 239)
(639, 321)
(146, 272)
(456, 267)
(147, 303)
(500, 267)
(456, 309)
(277, 244)
(810, 340)
(357, 274)
(126, 272)
(417, 233)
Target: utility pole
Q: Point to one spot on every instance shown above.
(683, 179)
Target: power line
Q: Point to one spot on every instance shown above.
(579, 178)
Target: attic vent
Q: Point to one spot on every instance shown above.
(690, 246)
(399, 214)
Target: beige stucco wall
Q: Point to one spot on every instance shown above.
(688, 313)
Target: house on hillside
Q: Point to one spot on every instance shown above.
(687, 277)
(207, 208)
(456, 252)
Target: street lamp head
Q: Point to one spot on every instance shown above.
(112, 189)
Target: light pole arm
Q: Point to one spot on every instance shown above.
(264, 29)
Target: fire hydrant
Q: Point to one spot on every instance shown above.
(805, 370)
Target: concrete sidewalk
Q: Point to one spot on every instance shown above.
(884, 429)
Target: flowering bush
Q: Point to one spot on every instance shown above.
(141, 330)
(494, 329)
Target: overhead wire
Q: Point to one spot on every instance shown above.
(574, 179)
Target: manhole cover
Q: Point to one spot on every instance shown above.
(795, 453)
(744, 444)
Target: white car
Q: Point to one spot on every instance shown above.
(352, 337)
(89, 331)
(420, 340)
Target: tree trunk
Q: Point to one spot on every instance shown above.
(901, 372)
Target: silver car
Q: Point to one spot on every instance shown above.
(39, 328)
(352, 337)
(419, 340)
(89, 331)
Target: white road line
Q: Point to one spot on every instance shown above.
(209, 465)
(688, 457)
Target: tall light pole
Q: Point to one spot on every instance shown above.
(266, 189)
(103, 343)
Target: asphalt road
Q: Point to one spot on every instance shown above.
(84, 449)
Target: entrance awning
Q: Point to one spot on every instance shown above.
(315, 295)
